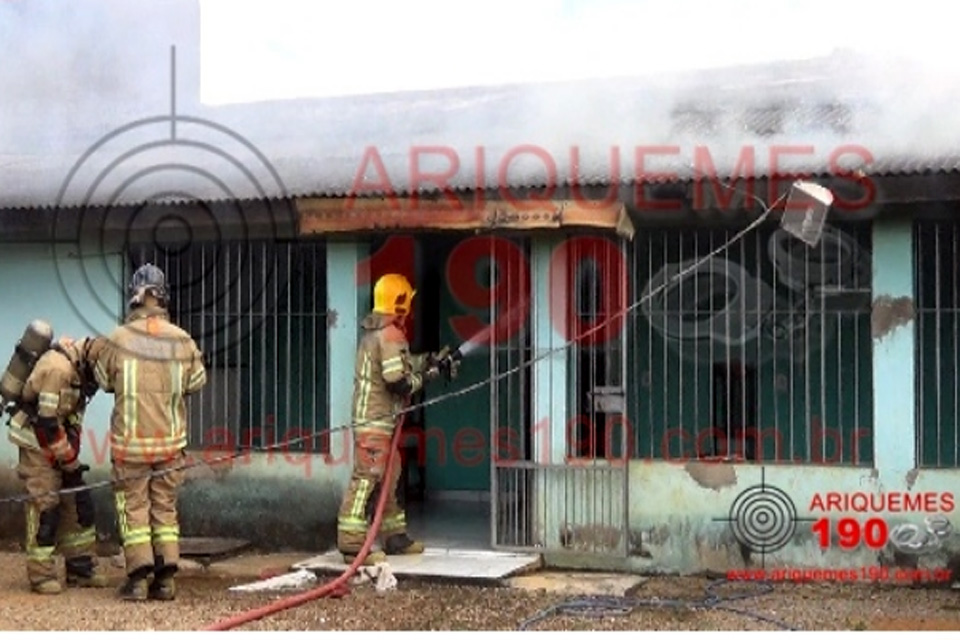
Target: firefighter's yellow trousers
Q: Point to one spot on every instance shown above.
(146, 499)
(52, 522)
(367, 480)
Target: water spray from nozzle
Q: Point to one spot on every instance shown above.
(482, 338)
(468, 347)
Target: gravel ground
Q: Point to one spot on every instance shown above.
(203, 599)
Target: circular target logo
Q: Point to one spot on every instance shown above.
(160, 190)
(763, 518)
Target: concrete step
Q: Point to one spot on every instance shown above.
(439, 563)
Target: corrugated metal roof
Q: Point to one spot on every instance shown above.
(794, 117)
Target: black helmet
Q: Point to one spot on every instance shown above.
(148, 279)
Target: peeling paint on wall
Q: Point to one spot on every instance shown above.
(890, 313)
(684, 529)
(911, 478)
(712, 475)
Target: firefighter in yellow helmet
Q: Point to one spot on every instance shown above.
(386, 375)
(46, 426)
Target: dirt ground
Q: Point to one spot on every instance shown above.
(203, 599)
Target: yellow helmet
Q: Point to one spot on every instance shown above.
(393, 295)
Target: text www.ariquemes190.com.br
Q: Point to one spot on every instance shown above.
(848, 574)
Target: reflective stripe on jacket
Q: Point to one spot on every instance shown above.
(150, 365)
(383, 359)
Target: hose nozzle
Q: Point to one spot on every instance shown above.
(447, 361)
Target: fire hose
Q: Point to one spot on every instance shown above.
(336, 585)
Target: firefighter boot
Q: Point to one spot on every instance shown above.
(163, 586)
(47, 587)
(373, 558)
(41, 543)
(135, 588)
(400, 544)
(81, 572)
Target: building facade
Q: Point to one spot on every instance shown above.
(645, 366)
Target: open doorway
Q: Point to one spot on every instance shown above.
(448, 447)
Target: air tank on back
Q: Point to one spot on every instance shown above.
(36, 339)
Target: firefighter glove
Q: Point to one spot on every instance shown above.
(431, 371)
(433, 364)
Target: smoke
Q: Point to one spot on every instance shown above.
(74, 71)
(891, 110)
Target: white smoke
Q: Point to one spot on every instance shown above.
(74, 71)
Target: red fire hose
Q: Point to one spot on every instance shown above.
(334, 585)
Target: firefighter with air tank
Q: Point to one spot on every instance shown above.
(46, 388)
(386, 376)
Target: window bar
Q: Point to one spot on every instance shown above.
(287, 383)
(938, 312)
(250, 312)
(776, 321)
(211, 353)
(264, 337)
(196, 324)
(681, 304)
(822, 356)
(727, 400)
(920, 264)
(666, 359)
(838, 317)
(697, 368)
(304, 256)
(225, 324)
(807, 392)
(239, 338)
(863, 282)
(741, 287)
(757, 323)
(649, 371)
(320, 420)
(956, 342)
(495, 421)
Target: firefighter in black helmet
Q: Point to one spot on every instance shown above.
(150, 365)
